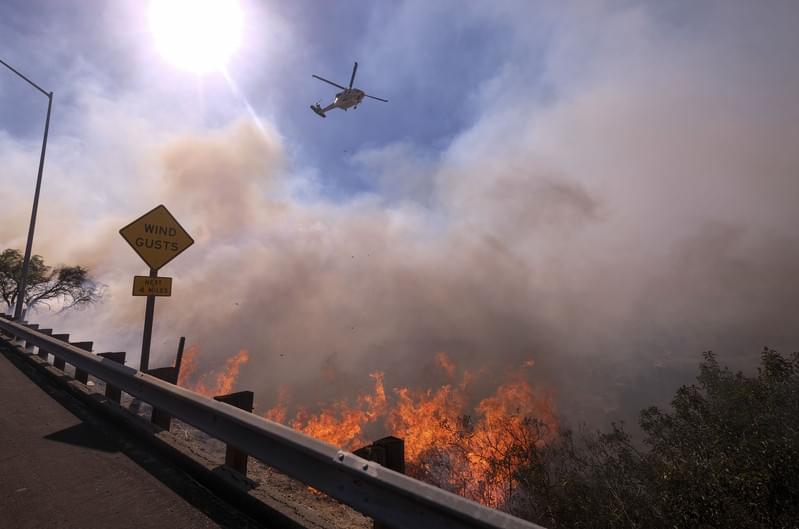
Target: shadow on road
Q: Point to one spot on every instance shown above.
(85, 436)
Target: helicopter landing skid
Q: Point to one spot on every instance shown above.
(318, 110)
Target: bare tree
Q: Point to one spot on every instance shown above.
(64, 287)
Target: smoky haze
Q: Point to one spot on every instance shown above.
(611, 234)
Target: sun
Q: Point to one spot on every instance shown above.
(196, 35)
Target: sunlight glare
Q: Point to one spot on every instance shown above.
(196, 35)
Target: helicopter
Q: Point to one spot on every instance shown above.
(350, 97)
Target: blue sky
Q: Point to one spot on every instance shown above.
(590, 183)
(405, 52)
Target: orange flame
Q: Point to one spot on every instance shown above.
(188, 365)
(505, 426)
(223, 382)
(473, 450)
(473, 455)
(426, 419)
(446, 365)
(226, 380)
(341, 424)
(279, 412)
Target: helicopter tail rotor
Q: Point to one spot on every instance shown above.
(318, 109)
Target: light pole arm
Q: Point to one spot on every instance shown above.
(37, 87)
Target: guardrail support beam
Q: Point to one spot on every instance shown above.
(81, 375)
(389, 452)
(43, 353)
(168, 374)
(60, 363)
(113, 392)
(29, 346)
(235, 458)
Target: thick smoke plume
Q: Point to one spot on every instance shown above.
(610, 234)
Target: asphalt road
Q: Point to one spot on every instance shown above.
(63, 468)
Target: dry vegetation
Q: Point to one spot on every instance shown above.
(725, 455)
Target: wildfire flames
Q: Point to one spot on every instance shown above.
(222, 382)
(472, 450)
(341, 423)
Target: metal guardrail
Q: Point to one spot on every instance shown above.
(382, 494)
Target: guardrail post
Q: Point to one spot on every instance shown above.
(179, 357)
(235, 458)
(389, 452)
(59, 363)
(167, 374)
(3, 333)
(29, 346)
(372, 453)
(9, 336)
(112, 392)
(42, 353)
(395, 452)
(81, 375)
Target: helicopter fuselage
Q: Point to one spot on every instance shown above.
(348, 98)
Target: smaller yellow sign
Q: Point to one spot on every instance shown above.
(152, 286)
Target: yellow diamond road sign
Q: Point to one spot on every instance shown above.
(157, 237)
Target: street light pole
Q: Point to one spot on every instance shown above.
(26, 261)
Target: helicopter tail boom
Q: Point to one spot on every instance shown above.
(318, 110)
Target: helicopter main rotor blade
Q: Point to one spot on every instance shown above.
(354, 69)
(379, 99)
(329, 82)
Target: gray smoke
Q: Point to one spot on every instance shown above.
(611, 233)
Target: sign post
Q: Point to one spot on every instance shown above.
(149, 313)
(157, 238)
